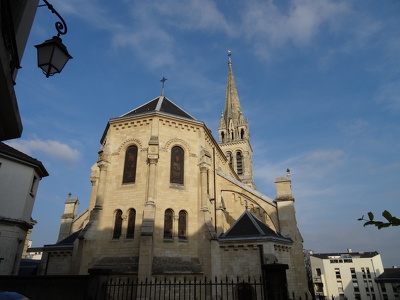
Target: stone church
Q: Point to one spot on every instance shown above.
(168, 199)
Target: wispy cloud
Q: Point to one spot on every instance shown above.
(54, 149)
(389, 95)
(268, 25)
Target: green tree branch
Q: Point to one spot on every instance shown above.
(391, 221)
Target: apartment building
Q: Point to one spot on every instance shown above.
(349, 276)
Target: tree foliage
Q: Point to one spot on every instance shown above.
(390, 220)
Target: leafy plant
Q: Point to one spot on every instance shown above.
(391, 220)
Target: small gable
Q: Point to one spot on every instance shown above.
(247, 226)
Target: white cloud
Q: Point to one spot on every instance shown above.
(54, 149)
(389, 95)
(265, 22)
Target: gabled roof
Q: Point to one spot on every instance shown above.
(248, 227)
(160, 104)
(9, 151)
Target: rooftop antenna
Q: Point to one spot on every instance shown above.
(163, 80)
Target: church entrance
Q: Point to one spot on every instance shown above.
(275, 282)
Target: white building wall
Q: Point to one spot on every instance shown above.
(16, 198)
(18, 191)
(348, 276)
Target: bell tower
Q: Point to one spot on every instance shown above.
(233, 131)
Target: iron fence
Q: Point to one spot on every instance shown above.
(173, 289)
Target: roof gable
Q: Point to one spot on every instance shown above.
(247, 226)
(160, 104)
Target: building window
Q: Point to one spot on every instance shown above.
(355, 286)
(383, 287)
(337, 272)
(242, 133)
(130, 232)
(33, 185)
(319, 287)
(177, 165)
(182, 225)
(117, 224)
(340, 287)
(318, 271)
(130, 165)
(168, 223)
(239, 163)
(222, 136)
(229, 157)
(353, 273)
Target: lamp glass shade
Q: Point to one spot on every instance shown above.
(52, 56)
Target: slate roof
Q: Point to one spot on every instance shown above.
(345, 255)
(14, 153)
(248, 227)
(389, 275)
(67, 243)
(160, 104)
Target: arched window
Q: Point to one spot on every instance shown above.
(117, 224)
(130, 165)
(168, 223)
(239, 163)
(229, 156)
(242, 133)
(182, 225)
(177, 165)
(130, 232)
(222, 136)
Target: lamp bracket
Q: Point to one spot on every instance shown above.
(61, 27)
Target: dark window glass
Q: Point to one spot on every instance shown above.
(130, 232)
(117, 224)
(182, 225)
(239, 163)
(130, 165)
(177, 165)
(168, 222)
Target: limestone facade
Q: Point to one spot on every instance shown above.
(166, 200)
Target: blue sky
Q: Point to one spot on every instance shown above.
(318, 80)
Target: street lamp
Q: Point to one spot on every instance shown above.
(52, 54)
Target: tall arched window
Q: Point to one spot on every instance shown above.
(229, 157)
(130, 232)
(239, 163)
(168, 223)
(130, 165)
(222, 136)
(177, 165)
(117, 224)
(182, 225)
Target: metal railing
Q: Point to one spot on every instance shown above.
(172, 289)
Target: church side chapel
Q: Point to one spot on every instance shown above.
(169, 200)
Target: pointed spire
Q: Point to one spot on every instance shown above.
(232, 115)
